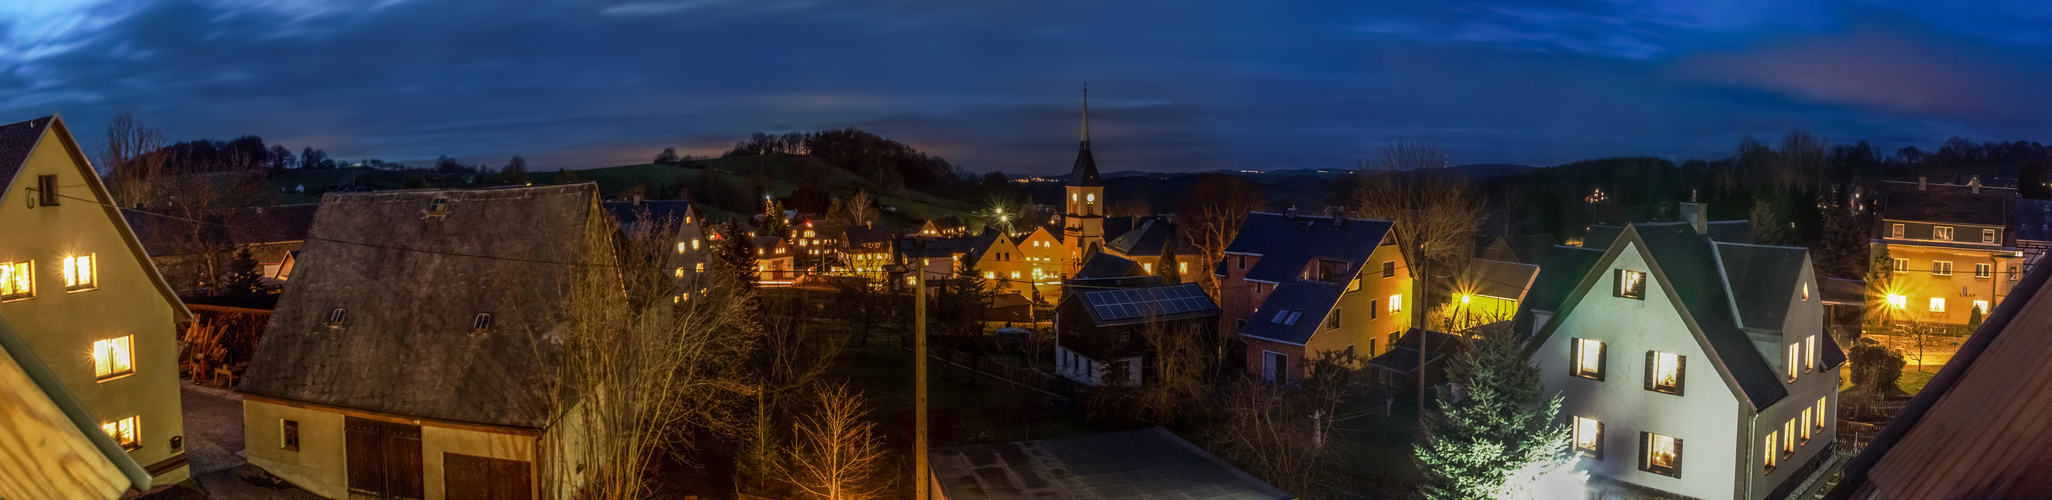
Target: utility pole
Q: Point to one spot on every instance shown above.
(1420, 287)
(919, 384)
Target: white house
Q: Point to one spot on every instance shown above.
(1694, 367)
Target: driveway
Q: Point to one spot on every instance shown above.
(213, 428)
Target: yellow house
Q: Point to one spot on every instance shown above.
(420, 366)
(1952, 249)
(79, 289)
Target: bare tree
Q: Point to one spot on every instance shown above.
(641, 367)
(1278, 433)
(133, 160)
(861, 209)
(1182, 370)
(1210, 217)
(1436, 216)
(837, 454)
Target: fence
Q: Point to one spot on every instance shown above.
(1854, 436)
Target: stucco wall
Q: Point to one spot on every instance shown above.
(320, 464)
(61, 326)
(1364, 313)
(1805, 319)
(1705, 417)
(434, 441)
(1920, 286)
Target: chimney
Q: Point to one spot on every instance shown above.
(1923, 183)
(1698, 215)
(637, 200)
(1975, 183)
(1291, 212)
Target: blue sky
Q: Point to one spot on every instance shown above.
(995, 85)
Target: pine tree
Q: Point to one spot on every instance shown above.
(245, 275)
(1497, 437)
(966, 301)
(1166, 268)
(773, 223)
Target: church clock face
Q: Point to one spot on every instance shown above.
(1090, 198)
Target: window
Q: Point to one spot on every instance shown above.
(288, 435)
(113, 357)
(680, 272)
(680, 247)
(1660, 454)
(1257, 288)
(1354, 285)
(46, 190)
(17, 280)
(1810, 346)
(79, 273)
(1806, 291)
(1795, 358)
(700, 267)
(1984, 271)
(1631, 284)
(1241, 258)
(2013, 275)
(438, 206)
(1332, 319)
(1373, 310)
(1666, 372)
(989, 275)
(1901, 265)
(1588, 437)
(1788, 445)
(1941, 233)
(1182, 267)
(1768, 458)
(1396, 304)
(1941, 268)
(1937, 304)
(1821, 414)
(336, 316)
(1895, 230)
(1015, 275)
(1331, 271)
(1149, 267)
(124, 433)
(1987, 236)
(1389, 269)
(1898, 301)
(1982, 306)
(1588, 359)
(694, 243)
(1806, 420)
(482, 322)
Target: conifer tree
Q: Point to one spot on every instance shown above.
(1166, 268)
(1496, 437)
(245, 275)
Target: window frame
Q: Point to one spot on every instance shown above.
(481, 323)
(46, 191)
(337, 317)
(1673, 468)
(104, 368)
(1788, 446)
(1638, 292)
(1681, 373)
(1396, 304)
(1795, 357)
(1332, 319)
(1942, 233)
(1900, 265)
(24, 272)
(1770, 457)
(1821, 413)
(1937, 304)
(1897, 230)
(288, 434)
(1984, 271)
(1576, 364)
(133, 425)
(1810, 351)
(1987, 236)
(1576, 425)
(92, 272)
(1389, 269)
(1806, 419)
(1936, 265)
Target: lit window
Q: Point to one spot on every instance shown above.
(1182, 267)
(289, 435)
(1898, 301)
(1987, 236)
(1661, 454)
(1807, 412)
(1982, 306)
(17, 280)
(1806, 292)
(113, 357)
(1941, 268)
(1588, 358)
(1901, 265)
(694, 244)
(1768, 458)
(1148, 267)
(79, 273)
(1588, 437)
(680, 272)
(1788, 445)
(1631, 284)
(1795, 357)
(1396, 304)
(1984, 271)
(700, 267)
(680, 247)
(1895, 230)
(989, 275)
(1937, 304)
(124, 433)
(1666, 372)
(1015, 275)
(1810, 346)
(1090, 198)
(482, 322)
(1821, 414)
(1941, 233)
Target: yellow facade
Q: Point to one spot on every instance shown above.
(1927, 275)
(321, 462)
(1367, 320)
(126, 299)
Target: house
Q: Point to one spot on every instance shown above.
(1675, 338)
(80, 289)
(422, 365)
(1952, 246)
(1147, 463)
(1146, 242)
(945, 227)
(694, 248)
(54, 447)
(1486, 291)
(865, 250)
(775, 261)
(1293, 287)
(1978, 429)
(1402, 360)
(1101, 335)
(183, 248)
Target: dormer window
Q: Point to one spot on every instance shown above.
(1941, 233)
(336, 316)
(481, 323)
(1332, 271)
(1896, 230)
(1631, 284)
(439, 206)
(1987, 236)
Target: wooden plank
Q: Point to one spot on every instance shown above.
(42, 454)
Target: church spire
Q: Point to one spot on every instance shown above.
(1086, 113)
(1085, 173)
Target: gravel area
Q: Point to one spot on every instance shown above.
(213, 428)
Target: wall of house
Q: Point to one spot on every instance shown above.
(320, 465)
(1812, 382)
(437, 440)
(1255, 348)
(1706, 417)
(1920, 286)
(1366, 320)
(61, 326)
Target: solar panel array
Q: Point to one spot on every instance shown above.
(1114, 305)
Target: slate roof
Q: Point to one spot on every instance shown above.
(1690, 265)
(1287, 244)
(1085, 171)
(1294, 312)
(1148, 464)
(1138, 305)
(1728, 231)
(1507, 280)
(2033, 219)
(1762, 279)
(253, 226)
(1148, 239)
(1558, 275)
(1900, 200)
(411, 285)
(17, 140)
(1101, 265)
(1402, 358)
(862, 236)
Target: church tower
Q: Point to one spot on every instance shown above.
(1083, 221)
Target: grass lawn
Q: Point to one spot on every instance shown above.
(1913, 381)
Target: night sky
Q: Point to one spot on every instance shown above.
(1175, 85)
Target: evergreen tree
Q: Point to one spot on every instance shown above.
(966, 301)
(245, 276)
(1166, 268)
(565, 176)
(1496, 438)
(734, 254)
(773, 223)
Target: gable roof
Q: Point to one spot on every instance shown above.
(1148, 239)
(865, 235)
(1506, 280)
(1901, 200)
(1976, 430)
(1148, 463)
(1294, 312)
(1690, 269)
(1762, 278)
(1138, 305)
(1558, 274)
(18, 141)
(411, 285)
(1288, 243)
(1729, 231)
(1101, 265)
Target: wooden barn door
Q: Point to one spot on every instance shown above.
(469, 477)
(384, 459)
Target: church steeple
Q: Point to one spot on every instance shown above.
(1085, 171)
(1086, 116)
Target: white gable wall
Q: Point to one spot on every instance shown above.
(1706, 417)
(1805, 318)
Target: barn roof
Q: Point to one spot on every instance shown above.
(1149, 463)
(411, 283)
